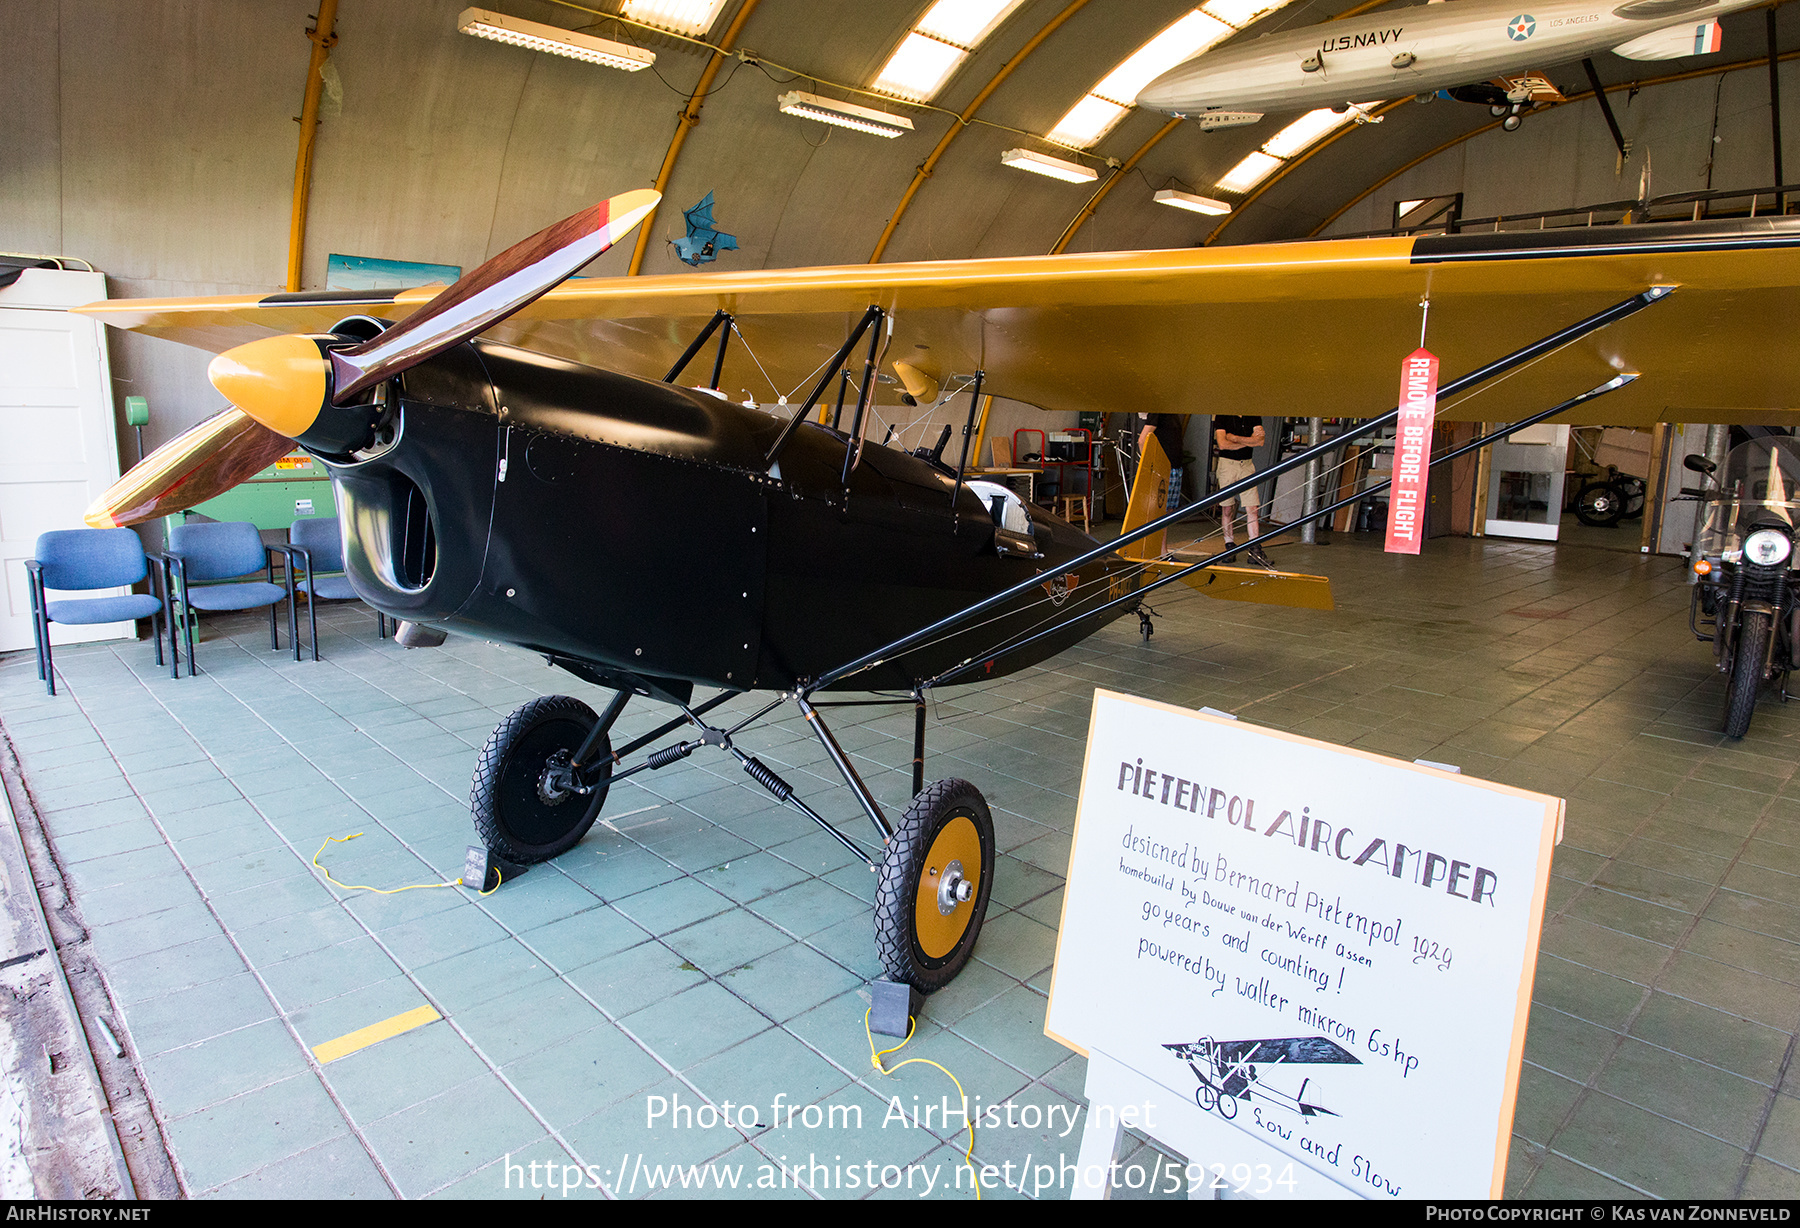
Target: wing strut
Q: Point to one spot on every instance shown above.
(720, 316)
(1517, 358)
(962, 463)
(871, 316)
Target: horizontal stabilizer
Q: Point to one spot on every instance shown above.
(1289, 588)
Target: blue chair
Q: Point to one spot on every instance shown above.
(203, 555)
(78, 559)
(320, 543)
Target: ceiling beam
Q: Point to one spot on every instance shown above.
(690, 115)
(324, 36)
(1087, 210)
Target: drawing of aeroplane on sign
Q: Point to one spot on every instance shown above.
(1228, 1071)
(1455, 47)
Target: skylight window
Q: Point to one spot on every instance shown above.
(1304, 131)
(964, 22)
(1181, 41)
(1291, 140)
(1199, 30)
(690, 17)
(1251, 171)
(937, 46)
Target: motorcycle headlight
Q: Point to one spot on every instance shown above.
(1768, 547)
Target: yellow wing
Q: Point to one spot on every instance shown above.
(1306, 328)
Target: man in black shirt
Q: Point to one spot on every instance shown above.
(1234, 437)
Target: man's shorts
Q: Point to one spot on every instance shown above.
(1232, 471)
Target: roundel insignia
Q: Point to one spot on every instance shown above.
(1521, 27)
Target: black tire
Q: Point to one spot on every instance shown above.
(1747, 657)
(515, 815)
(1228, 1106)
(1601, 504)
(948, 821)
(1207, 1097)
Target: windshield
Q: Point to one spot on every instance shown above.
(1759, 482)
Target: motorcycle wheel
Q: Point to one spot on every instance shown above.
(1747, 657)
(1601, 504)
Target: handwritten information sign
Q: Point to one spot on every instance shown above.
(1329, 950)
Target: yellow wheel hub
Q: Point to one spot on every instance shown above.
(955, 853)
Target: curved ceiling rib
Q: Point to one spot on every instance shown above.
(690, 115)
(962, 121)
(1087, 210)
(1453, 142)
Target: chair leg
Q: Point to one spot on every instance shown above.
(38, 638)
(49, 662)
(312, 622)
(274, 630)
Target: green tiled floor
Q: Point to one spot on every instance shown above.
(703, 945)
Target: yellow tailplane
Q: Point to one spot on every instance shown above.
(1150, 499)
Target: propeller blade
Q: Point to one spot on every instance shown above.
(287, 382)
(494, 290)
(196, 465)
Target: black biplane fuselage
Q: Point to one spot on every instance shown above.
(632, 527)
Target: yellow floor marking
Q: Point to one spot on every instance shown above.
(362, 1038)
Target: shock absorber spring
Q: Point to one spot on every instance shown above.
(762, 775)
(669, 754)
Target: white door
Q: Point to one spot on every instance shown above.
(57, 446)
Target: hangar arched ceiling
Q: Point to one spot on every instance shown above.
(158, 140)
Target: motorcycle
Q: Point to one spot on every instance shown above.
(1744, 566)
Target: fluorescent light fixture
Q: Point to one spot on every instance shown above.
(550, 39)
(682, 16)
(844, 114)
(1192, 203)
(1305, 130)
(937, 46)
(1247, 174)
(1044, 164)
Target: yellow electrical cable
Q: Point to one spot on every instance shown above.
(455, 882)
(875, 1061)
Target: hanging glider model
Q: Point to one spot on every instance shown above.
(514, 459)
(1458, 48)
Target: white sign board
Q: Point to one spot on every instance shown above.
(1328, 950)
